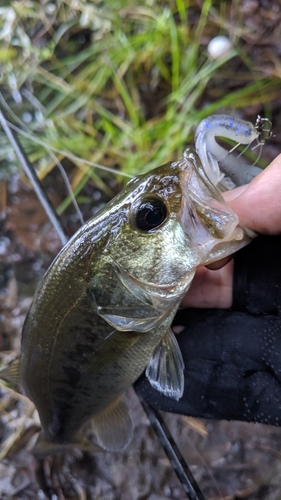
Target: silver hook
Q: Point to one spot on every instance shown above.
(260, 127)
(264, 134)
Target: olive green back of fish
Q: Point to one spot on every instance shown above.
(103, 311)
(74, 364)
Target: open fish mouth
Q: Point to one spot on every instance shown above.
(205, 217)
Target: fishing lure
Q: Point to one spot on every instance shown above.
(221, 166)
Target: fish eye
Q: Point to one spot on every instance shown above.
(150, 214)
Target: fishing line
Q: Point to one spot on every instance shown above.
(170, 447)
(31, 174)
(52, 155)
(67, 154)
(69, 188)
(205, 465)
(245, 149)
(259, 154)
(242, 152)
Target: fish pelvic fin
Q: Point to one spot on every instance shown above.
(44, 448)
(165, 369)
(11, 373)
(113, 426)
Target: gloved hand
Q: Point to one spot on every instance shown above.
(233, 356)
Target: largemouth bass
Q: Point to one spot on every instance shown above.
(103, 311)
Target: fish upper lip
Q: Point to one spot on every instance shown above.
(197, 192)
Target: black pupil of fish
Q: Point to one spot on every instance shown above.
(150, 215)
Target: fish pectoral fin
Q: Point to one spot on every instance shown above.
(12, 372)
(43, 447)
(165, 369)
(113, 426)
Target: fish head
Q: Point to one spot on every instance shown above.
(166, 223)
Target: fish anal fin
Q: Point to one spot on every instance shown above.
(113, 426)
(165, 368)
(11, 372)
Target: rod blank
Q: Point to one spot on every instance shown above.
(180, 467)
(35, 182)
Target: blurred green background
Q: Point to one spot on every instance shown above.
(124, 84)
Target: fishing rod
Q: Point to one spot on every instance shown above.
(170, 447)
(32, 176)
(173, 453)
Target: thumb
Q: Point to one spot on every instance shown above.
(258, 204)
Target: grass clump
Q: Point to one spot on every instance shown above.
(118, 83)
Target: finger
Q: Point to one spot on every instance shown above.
(258, 205)
(219, 263)
(211, 289)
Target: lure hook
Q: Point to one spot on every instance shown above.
(264, 134)
(260, 128)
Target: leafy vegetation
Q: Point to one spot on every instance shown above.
(121, 84)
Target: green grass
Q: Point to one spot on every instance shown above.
(131, 96)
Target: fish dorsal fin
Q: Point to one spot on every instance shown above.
(165, 369)
(12, 372)
(113, 426)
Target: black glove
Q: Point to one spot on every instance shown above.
(233, 357)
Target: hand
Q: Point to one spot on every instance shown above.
(258, 206)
